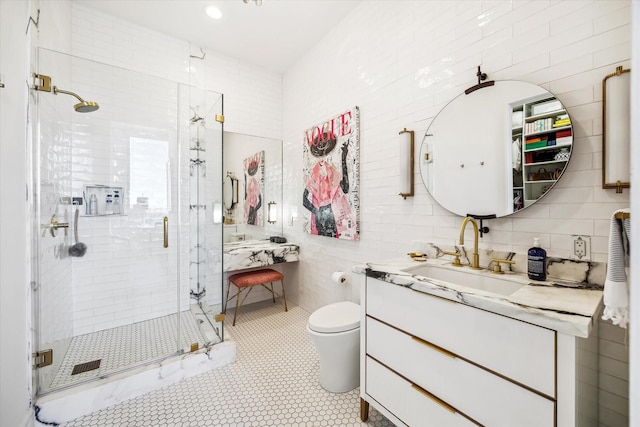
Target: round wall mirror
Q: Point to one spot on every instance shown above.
(496, 150)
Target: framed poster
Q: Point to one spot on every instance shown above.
(254, 189)
(331, 171)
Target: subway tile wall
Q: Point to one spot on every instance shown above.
(401, 62)
(126, 275)
(107, 291)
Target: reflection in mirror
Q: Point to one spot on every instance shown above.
(230, 196)
(496, 150)
(237, 148)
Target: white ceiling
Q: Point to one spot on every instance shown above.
(274, 35)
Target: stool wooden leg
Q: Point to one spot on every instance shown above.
(283, 296)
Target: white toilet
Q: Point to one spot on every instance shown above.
(335, 332)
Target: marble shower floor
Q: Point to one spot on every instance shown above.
(274, 382)
(129, 345)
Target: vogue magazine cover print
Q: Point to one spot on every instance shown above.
(253, 188)
(331, 170)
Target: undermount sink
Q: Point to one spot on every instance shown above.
(482, 280)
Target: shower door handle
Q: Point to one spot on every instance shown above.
(166, 231)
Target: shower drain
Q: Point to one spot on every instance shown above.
(85, 367)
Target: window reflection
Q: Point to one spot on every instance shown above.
(149, 174)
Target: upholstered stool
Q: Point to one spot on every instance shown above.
(248, 280)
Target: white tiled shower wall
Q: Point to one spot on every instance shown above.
(103, 39)
(400, 62)
(126, 275)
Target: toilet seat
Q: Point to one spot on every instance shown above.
(337, 317)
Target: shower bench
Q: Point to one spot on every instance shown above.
(245, 281)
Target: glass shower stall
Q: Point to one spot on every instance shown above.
(127, 181)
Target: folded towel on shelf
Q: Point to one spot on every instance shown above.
(616, 287)
(516, 159)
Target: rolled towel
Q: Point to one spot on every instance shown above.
(616, 287)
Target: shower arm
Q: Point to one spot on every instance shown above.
(57, 91)
(42, 83)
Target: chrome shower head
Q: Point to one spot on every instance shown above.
(82, 106)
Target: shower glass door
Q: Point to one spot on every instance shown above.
(111, 285)
(202, 218)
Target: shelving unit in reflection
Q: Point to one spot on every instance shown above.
(542, 131)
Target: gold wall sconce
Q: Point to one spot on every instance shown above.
(406, 163)
(217, 213)
(272, 212)
(616, 129)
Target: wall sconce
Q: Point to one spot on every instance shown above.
(616, 124)
(294, 217)
(217, 212)
(272, 213)
(406, 163)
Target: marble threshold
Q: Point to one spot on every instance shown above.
(67, 404)
(568, 308)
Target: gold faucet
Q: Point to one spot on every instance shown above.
(475, 264)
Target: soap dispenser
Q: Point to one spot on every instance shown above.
(537, 262)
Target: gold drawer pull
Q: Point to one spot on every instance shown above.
(435, 399)
(434, 347)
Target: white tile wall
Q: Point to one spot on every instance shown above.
(107, 291)
(400, 62)
(126, 276)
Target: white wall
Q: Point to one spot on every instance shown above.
(252, 104)
(634, 339)
(400, 62)
(15, 361)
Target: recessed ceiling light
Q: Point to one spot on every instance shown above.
(213, 12)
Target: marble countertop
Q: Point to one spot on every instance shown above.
(257, 253)
(569, 308)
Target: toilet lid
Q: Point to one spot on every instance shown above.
(336, 317)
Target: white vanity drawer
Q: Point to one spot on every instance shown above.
(409, 403)
(481, 395)
(515, 349)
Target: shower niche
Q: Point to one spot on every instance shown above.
(103, 200)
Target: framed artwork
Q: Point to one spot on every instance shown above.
(331, 171)
(253, 167)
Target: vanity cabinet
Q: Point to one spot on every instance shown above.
(429, 361)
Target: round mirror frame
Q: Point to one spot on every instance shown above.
(229, 189)
(480, 146)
